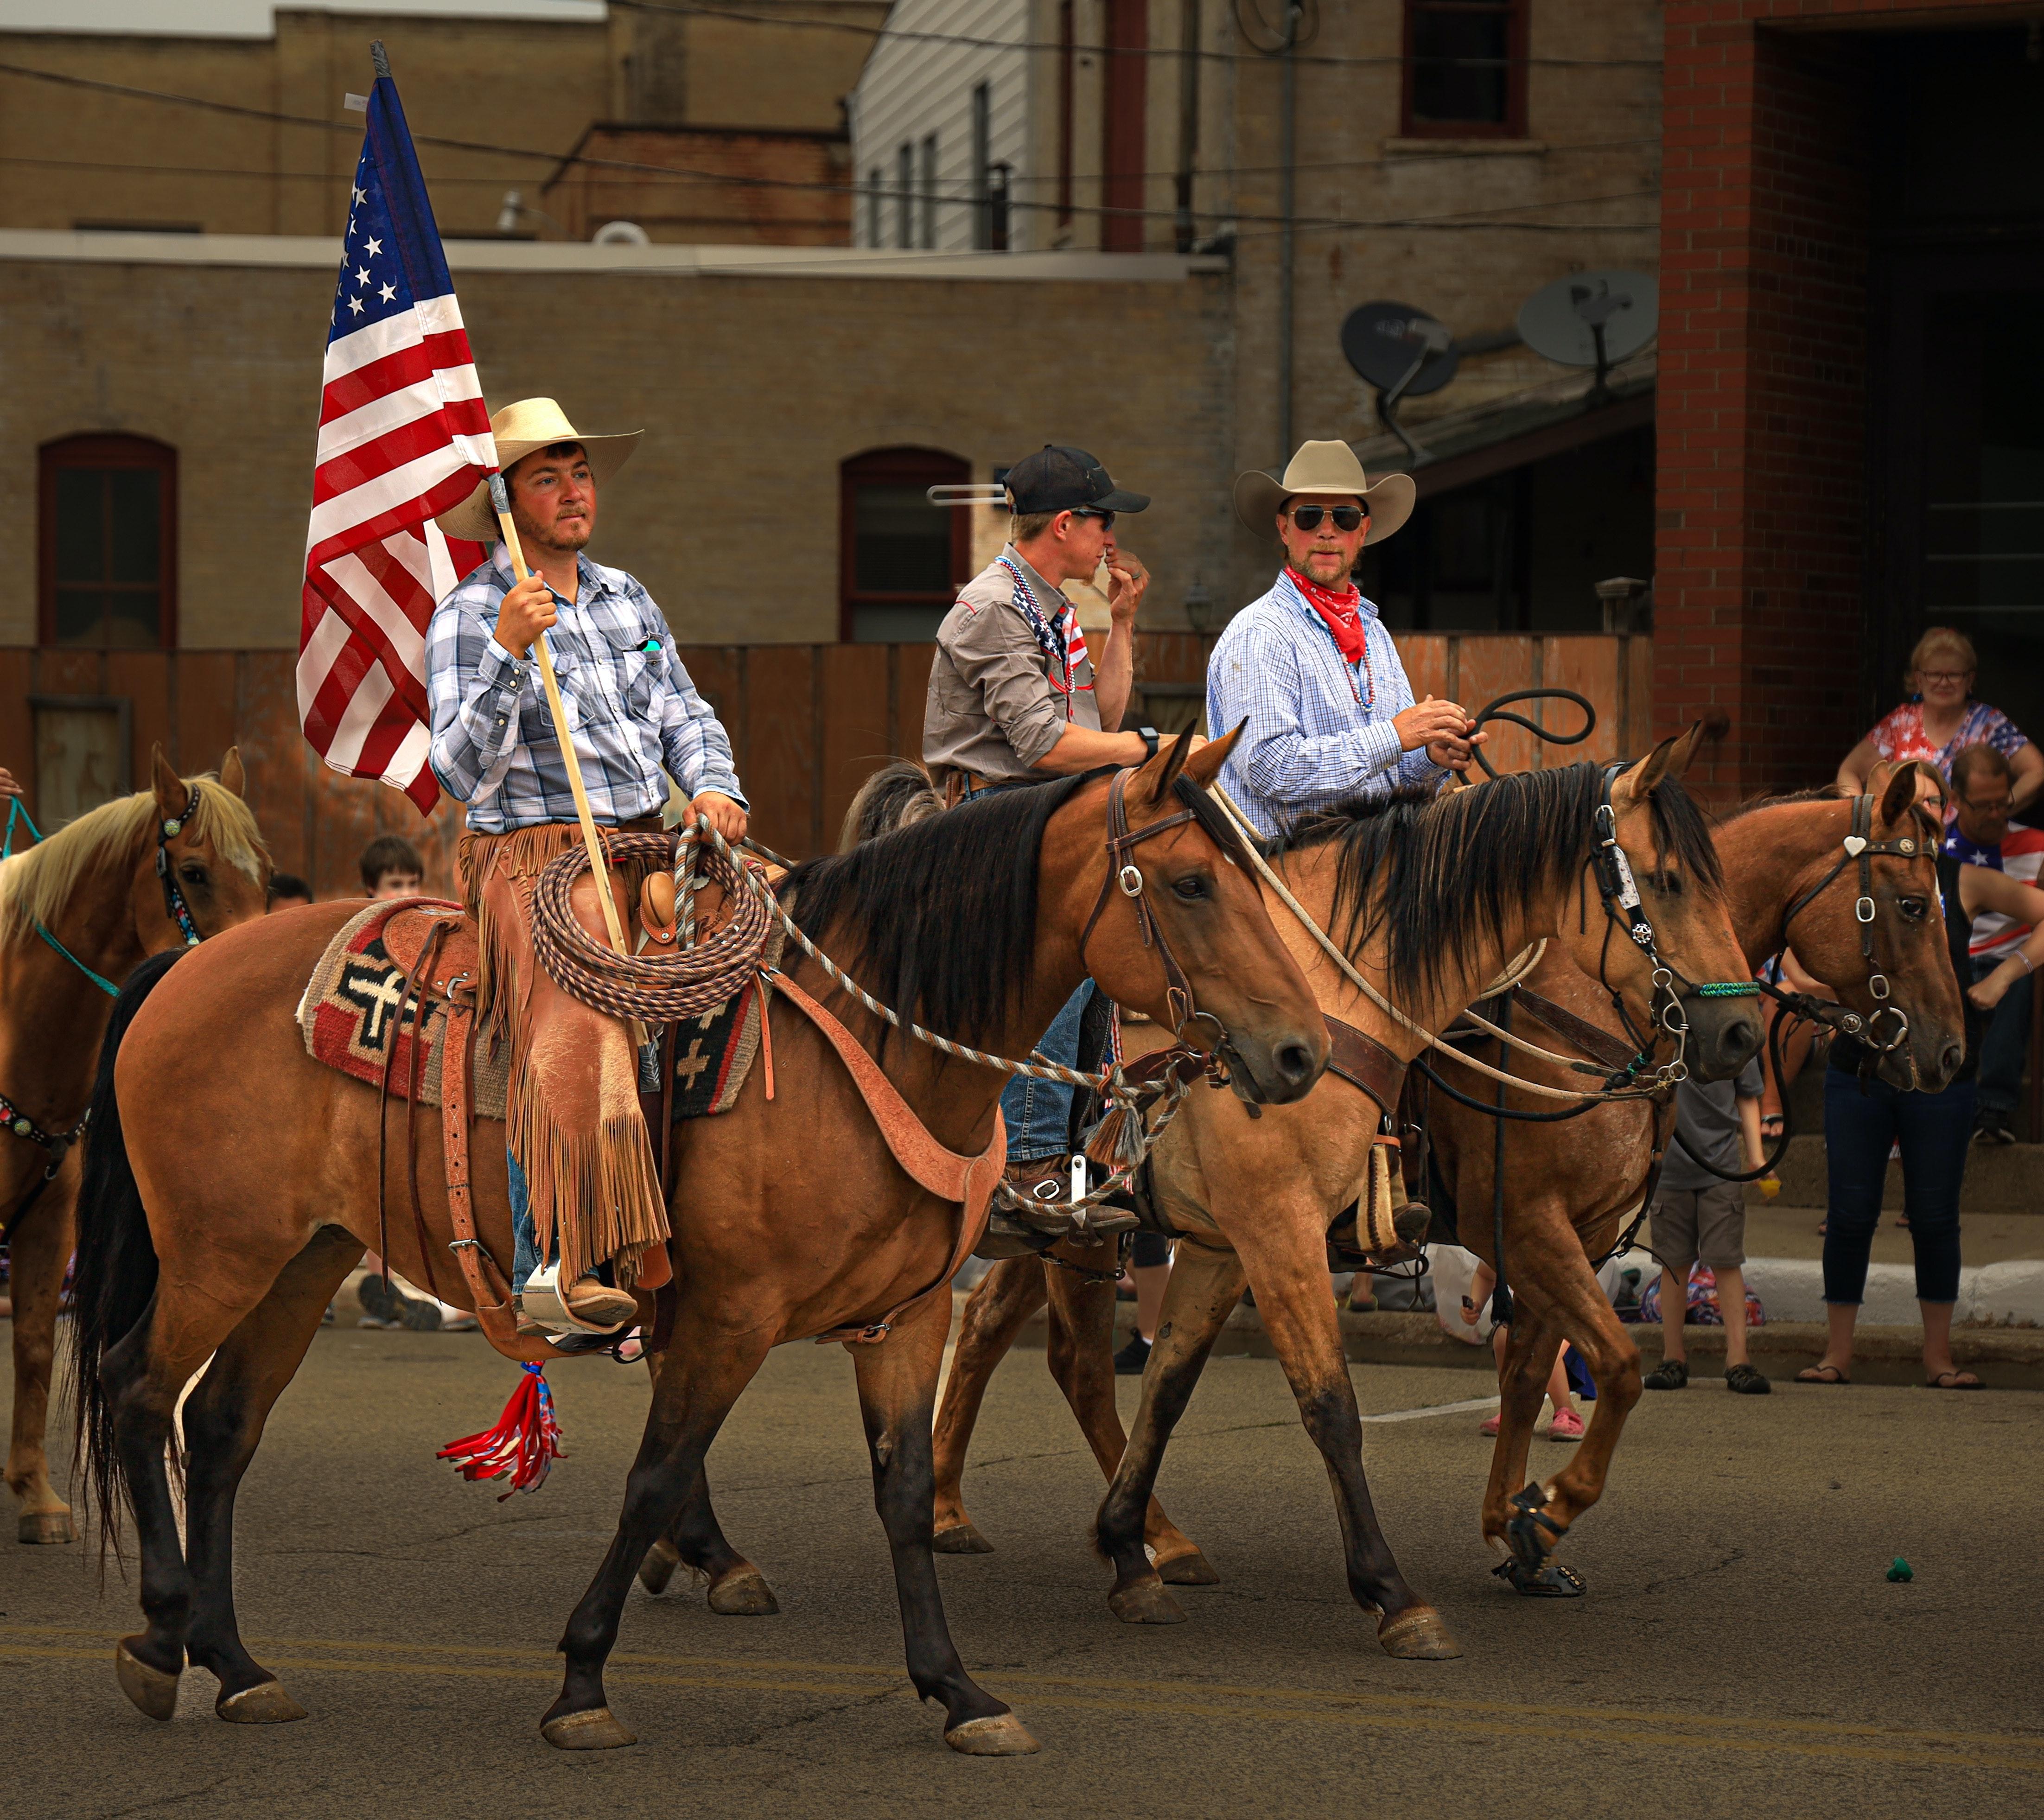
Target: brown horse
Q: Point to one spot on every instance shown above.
(791, 1218)
(78, 913)
(1572, 1184)
(1433, 900)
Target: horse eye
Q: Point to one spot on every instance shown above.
(1192, 885)
(193, 875)
(1914, 908)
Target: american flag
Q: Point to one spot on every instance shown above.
(403, 436)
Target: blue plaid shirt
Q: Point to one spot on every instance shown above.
(1319, 729)
(631, 706)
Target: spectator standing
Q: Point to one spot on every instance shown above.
(391, 868)
(1567, 1424)
(1864, 1118)
(288, 891)
(1983, 794)
(1942, 718)
(1699, 1217)
(1148, 1272)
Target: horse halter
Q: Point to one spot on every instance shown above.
(1123, 872)
(1861, 846)
(174, 906)
(1623, 909)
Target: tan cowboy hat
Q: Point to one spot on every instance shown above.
(520, 429)
(1324, 467)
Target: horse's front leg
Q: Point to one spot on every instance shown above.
(702, 1373)
(1206, 1283)
(897, 1394)
(39, 1247)
(1000, 1303)
(696, 1540)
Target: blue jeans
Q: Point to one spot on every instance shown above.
(1934, 1130)
(524, 1235)
(2004, 1045)
(1039, 1113)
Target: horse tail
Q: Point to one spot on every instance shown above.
(116, 1273)
(898, 795)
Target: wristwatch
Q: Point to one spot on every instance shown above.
(1148, 736)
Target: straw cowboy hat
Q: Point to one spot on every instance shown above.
(1324, 467)
(530, 424)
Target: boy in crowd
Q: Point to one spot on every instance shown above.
(288, 891)
(1699, 1217)
(391, 868)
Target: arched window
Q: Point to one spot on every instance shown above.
(903, 558)
(107, 543)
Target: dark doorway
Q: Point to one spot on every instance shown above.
(902, 558)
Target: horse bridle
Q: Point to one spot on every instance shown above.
(1624, 908)
(1860, 849)
(1124, 873)
(174, 906)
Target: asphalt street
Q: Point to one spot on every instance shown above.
(1740, 1649)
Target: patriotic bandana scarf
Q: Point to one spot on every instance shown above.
(1063, 644)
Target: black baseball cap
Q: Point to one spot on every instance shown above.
(1058, 479)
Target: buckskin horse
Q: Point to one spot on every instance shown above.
(78, 913)
(1792, 876)
(792, 1218)
(1433, 899)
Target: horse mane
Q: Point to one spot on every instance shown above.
(1439, 876)
(945, 907)
(36, 885)
(1833, 792)
(898, 795)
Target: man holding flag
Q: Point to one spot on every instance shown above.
(390, 688)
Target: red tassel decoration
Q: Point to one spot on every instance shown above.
(524, 1444)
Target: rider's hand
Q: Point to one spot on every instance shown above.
(1429, 722)
(724, 815)
(1128, 581)
(527, 611)
(1454, 754)
(8, 786)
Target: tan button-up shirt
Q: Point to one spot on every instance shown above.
(991, 711)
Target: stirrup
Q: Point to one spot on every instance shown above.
(545, 1303)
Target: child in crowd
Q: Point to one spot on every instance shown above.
(1567, 1424)
(391, 868)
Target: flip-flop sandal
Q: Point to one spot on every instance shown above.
(1957, 1381)
(1822, 1374)
(1552, 1580)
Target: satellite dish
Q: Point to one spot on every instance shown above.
(1403, 353)
(1591, 319)
(621, 234)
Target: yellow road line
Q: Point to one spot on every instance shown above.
(1363, 1710)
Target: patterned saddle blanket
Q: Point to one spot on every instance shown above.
(350, 1014)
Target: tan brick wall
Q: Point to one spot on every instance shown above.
(753, 390)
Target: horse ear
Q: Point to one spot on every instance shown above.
(1903, 789)
(1205, 765)
(172, 795)
(1636, 784)
(1154, 780)
(231, 777)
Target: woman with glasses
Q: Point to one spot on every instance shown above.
(1942, 718)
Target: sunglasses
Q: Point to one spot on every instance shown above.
(1106, 518)
(1346, 517)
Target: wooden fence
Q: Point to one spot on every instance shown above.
(808, 723)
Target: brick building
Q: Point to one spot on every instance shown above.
(1851, 412)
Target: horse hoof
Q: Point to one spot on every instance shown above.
(961, 1538)
(264, 1704)
(743, 1593)
(1000, 1735)
(41, 1528)
(154, 1692)
(1192, 1569)
(1145, 1602)
(658, 1567)
(595, 1730)
(1417, 1635)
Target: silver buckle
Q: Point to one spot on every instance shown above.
(1130, 878)
(1863, 909)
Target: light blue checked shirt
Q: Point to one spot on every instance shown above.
(1319, 729)
(632, 708)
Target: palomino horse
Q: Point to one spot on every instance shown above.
(791, 1218)
(78, 913)
(1433, 899)
(1571, 1184)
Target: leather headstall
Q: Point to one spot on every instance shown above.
(174, 906)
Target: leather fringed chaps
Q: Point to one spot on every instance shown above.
(573, 1117)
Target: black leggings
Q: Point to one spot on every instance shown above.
(1934, 1130)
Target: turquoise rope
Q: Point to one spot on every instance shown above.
(1728, 989)
(14, 809)
(105, 985)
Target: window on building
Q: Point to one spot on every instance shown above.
(1466, 68)
(107, 555)
(873, 207)
(929, 208)
(1123, 128)
(903, 558)
(904, 195)
(982, 167)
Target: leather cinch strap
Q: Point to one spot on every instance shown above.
(1361, 1059)
(945, 1174)
(1606, 1050)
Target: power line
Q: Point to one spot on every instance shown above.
(564, 161)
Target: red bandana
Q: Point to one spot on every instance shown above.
(1343, 612)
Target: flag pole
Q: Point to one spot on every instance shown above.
(500, 501)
